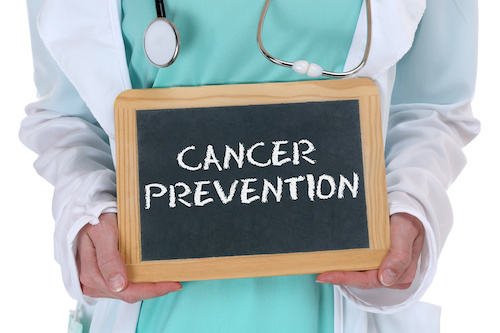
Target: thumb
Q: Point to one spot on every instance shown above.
(394, 265)
(113, 271)
(404, 233)
(109, 260)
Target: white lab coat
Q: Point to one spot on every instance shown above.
(80, 68)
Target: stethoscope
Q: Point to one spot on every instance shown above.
(162, 42)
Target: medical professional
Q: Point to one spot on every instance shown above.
(422, 57)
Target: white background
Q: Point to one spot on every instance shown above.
(34, 298)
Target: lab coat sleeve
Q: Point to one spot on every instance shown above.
(430, 122)
(73, 155)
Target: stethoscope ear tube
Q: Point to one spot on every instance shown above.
(313, 70)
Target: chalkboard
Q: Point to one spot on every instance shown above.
(250, 180)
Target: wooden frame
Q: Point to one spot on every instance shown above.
(363, 90)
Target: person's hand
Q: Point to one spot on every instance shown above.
(102, 269)
(398, 268)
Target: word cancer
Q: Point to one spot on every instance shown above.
(277, 157)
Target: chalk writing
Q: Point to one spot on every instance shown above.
(204, 192)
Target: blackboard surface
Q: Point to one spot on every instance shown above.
(252, 180)
(220, 229)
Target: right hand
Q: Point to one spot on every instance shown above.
(102, 269)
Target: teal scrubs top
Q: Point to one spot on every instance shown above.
(219, 46)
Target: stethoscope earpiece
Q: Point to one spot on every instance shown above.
(161, 39)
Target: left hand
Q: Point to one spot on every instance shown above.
(398, 268)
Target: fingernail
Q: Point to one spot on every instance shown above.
(179, 287)
(388, 277)
(116, 283)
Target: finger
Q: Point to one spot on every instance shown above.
(399, 266)
(140, 291)
(361, 280)
(136, 292)
(96, 292)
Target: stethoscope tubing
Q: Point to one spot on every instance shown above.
(160, 8)
(300, 66)
(324, 73)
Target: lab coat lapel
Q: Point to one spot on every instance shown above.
(394, 24)
(84, 38)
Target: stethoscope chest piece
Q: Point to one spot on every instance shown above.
(161, 42)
